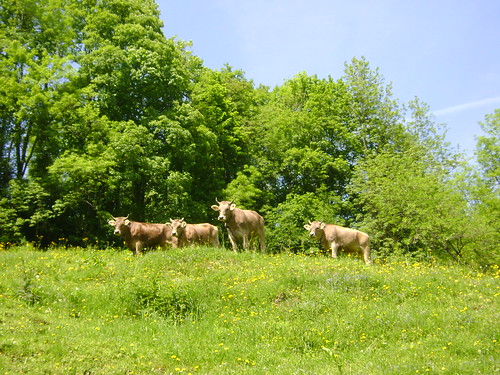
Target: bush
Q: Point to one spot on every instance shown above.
(155, 298)
(285, 223)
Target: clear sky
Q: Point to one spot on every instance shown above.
(446, 52)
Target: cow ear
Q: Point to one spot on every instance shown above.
(307, 226)
(215, 207)
(183, 224)
(127, 222)
(322, 226)
(233, 206)
(112, 222)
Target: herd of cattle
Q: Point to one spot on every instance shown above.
(242, 227)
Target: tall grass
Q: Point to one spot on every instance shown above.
(211, 311)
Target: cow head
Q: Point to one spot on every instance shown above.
(177, 226)
(315, 229)
(121, 225)
(225, 209)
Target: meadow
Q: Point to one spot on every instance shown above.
(211, 311)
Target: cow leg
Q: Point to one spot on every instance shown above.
(132, 246)
(215, 242)
(262, 242)
(214, 238)
(175, 242)
(245, 242)
(366, 254)
(138, 248)
(233, 242)
(335, 248)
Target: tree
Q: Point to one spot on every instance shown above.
(411, 195)
(488, 149)
(37, 39)
(301, 140)
(131, 84)
(485, 193)
(245, 190)
(26, 213)
(131, 69)
(375, 115)
(94, 110)
(225, 101)
(410, 208)
(285, 222)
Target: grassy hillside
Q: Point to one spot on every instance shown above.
(210, 311)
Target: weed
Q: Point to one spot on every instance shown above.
(28, 292)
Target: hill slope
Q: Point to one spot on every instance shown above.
(210, 311)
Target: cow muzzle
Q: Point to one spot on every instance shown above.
(222, 218)
(117, 232)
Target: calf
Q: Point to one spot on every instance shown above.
(139, 235)
(335, 237)
(191, 234)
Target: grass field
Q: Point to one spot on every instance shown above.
(211, 311)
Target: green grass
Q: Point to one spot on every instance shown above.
(210, 311)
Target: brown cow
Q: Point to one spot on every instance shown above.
(190, 234)
(335, 237)
(242, 225)
(138, 235)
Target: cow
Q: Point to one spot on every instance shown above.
(335, 237)
(139, 235)
(242, 225)
(191, 234)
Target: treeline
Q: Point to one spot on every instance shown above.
(101, 114)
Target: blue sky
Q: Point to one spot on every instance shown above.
(446, 52)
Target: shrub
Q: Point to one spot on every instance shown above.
(285, 223)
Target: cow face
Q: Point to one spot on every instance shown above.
(177, 226)
(315, 229)
(225, 209)
(121, 225)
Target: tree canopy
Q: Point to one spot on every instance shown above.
(101, 115)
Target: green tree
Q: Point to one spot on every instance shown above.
(409, 208)
(302, 143)
(131, 84)
(411, 194)
(97, 107)
(285, 222)
(36, 40)
(245, 190)
(485, 193)
(26, 212)
(310, 135)
(488, 149)
(133, 71)
(374, 113)
(225, 100)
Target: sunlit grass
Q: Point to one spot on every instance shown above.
(210, 311)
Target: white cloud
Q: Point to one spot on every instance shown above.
(467, 106)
